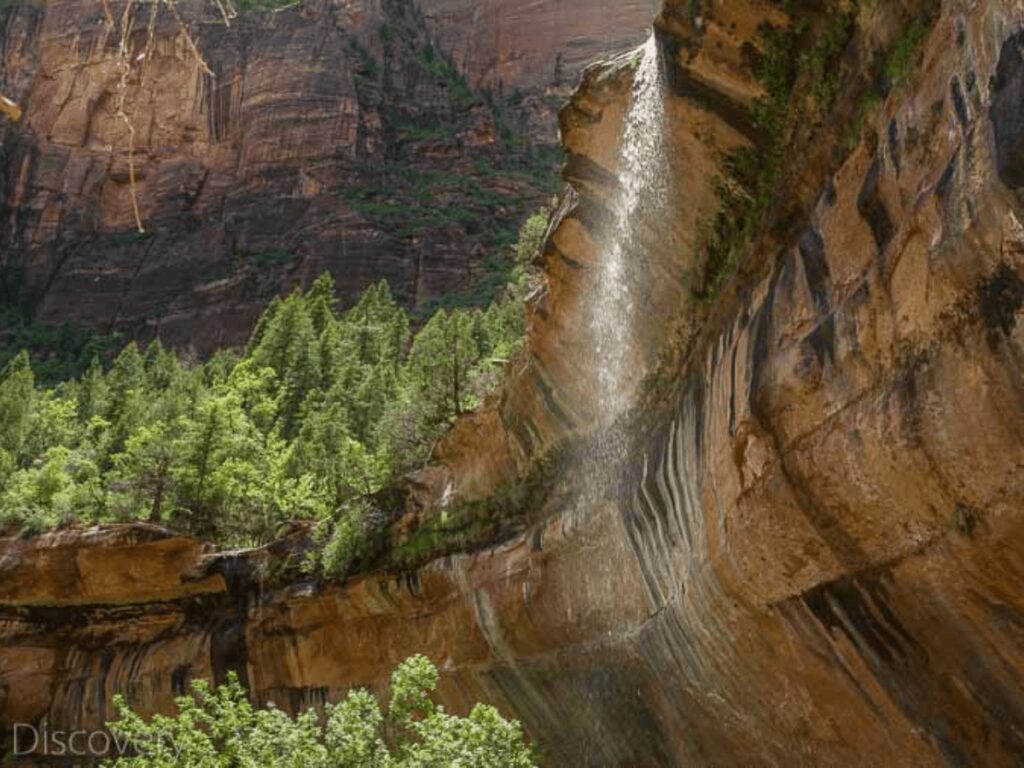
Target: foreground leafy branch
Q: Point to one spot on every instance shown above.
(219, 728)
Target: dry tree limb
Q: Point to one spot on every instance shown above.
(125, 55)
(150, 49)
(107, 12)
(125, 66)
(227, 12)
(188, 38)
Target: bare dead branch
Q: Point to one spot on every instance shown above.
(125, 67)
(107, 13)
(126, 59)
(188, 38)
(227, 12)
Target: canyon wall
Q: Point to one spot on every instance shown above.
(509, 46)
(533, 53)
(327, 135)
(807, 550)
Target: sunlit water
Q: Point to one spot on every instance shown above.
(621, 259)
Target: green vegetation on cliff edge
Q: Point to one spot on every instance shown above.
(321, 409)
(753, 172)
(800, 68)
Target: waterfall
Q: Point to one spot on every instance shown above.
(640, 194)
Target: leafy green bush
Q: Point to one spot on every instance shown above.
(341, 542)
(903, 53)
(219, 728)
(367, 65)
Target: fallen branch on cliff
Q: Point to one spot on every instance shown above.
(125, 60)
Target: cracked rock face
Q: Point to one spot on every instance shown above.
(811, 552)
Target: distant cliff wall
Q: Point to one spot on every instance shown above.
(328, 135)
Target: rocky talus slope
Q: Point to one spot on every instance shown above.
(806, 548)
(329, 134)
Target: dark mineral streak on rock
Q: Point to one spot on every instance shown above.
(873, 210)
(956, 94)
(1007, 112)
(1000, 298)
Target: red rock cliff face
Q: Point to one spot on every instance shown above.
(509, 45)
(326, 135)
(534, 52)
(809, 554)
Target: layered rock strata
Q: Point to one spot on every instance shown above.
(810, 553)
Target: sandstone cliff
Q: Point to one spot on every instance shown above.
(806, 549)
(328, 134)
(533, 53)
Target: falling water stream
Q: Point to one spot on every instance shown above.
(641, 193)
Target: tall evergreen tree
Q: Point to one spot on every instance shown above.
(318, 410)
(142, 473)
(127, 402)
(442, 356)
(290, 348)
(92, 393)
(322, 302)
(17, 396)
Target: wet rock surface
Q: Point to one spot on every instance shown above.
(808, 553)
